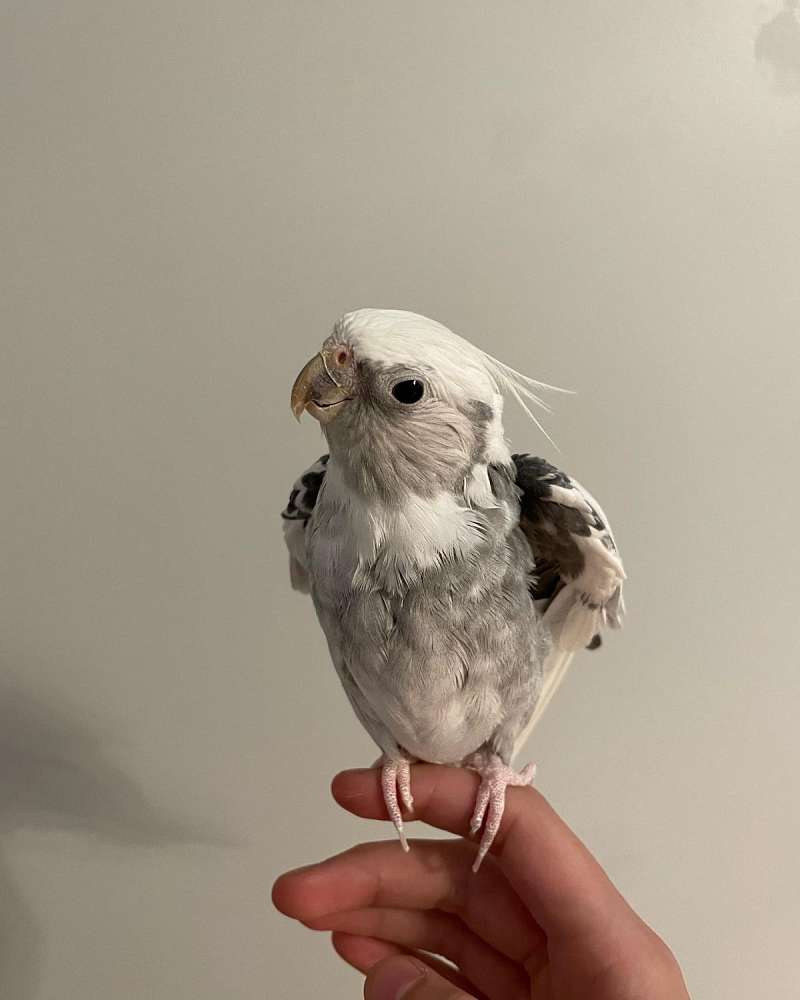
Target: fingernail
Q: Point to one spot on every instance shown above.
(398, 978)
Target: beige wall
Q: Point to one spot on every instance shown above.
(605, 195)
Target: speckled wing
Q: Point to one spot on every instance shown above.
(578, 570)
(578, 574)
(296, 515)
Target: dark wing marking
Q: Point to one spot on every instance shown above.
(578, 570)
(305, 491)
(296, 514)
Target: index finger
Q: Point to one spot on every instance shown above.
(563, 886)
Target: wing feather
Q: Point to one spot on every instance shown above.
(296, 516)
(578, 572)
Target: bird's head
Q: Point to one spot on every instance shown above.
(407, 405)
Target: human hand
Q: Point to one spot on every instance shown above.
(539, 920)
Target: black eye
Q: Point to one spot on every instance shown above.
(410, 391)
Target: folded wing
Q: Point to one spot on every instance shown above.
(296, 515)
(578, 574)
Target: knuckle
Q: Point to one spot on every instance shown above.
(660, 952)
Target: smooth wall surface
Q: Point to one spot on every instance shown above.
(605, 195)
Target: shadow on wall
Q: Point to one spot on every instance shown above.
(55, 776)
(778, 47)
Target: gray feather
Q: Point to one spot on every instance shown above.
(450, 588)
(451, 661)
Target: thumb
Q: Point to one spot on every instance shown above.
(404, 978)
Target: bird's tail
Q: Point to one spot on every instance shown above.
(555, 670)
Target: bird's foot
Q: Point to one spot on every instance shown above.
(396, 777)
(491, 801)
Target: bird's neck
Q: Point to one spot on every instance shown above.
(404, 536)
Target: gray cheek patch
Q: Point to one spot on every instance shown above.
(480, 416)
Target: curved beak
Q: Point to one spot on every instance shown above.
(315, 390)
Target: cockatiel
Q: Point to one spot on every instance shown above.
(453, 580)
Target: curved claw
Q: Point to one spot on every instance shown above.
(396, 776)
(491, 800)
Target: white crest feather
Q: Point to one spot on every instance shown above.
(394, 336)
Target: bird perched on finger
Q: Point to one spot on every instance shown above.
(453, 579)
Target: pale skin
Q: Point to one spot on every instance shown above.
(539, 920)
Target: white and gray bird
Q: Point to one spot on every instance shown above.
(452, 579)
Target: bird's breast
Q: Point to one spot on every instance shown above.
(433, 652)
(434, 669)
